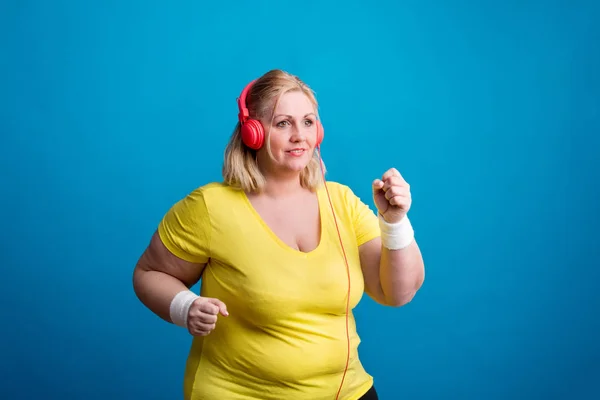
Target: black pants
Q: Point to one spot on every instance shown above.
(370, 395)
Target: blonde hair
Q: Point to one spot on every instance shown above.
(240, 168)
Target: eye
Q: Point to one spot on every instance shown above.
(282, 124)
(308, 122)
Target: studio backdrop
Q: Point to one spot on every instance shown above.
(111, 111)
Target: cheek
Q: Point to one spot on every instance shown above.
(277, 142)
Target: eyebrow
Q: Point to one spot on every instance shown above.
(289, 116)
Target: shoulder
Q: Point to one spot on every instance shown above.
(211, 192)
(198, 207)
(343, 196)
(340, 192)
(217, 195)
(197, 202)
(210, 203)
(337, 188)
(211, 188)
(353, 211)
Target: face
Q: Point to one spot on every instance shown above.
(293, 134)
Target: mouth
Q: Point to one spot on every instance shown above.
(296, 152)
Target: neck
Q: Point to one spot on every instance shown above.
(282, 186)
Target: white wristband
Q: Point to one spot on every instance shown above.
(398, 235)
(180, 307)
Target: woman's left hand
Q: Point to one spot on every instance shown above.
(392, 196)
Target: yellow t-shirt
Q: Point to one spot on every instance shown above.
(285, 336)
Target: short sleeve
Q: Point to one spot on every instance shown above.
(364, 220)
(186, 229)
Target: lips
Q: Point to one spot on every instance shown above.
(296, 152)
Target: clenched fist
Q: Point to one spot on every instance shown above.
(392, 196)
(202, 316)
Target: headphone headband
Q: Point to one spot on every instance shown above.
(244, 114)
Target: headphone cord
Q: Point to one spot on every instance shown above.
(347, 273)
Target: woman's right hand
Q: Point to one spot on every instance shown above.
(202, 316)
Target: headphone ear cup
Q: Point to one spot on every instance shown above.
(320, 133)
(253, 134)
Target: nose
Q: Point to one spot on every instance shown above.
(298, 134)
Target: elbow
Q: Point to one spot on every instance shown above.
(138, 281)
(402, 300)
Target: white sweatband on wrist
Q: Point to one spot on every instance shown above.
(398, 235)
(180, 307)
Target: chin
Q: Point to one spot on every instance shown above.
(296, 168)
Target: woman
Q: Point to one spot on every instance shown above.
(284, 258)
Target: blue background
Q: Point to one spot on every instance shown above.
(110, 111)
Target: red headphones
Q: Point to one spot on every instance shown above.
(253, 133)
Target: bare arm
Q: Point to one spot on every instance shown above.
(392, 277)
(159, 276)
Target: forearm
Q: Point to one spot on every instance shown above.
(156, 290)
(401, 273)
(401, 268)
